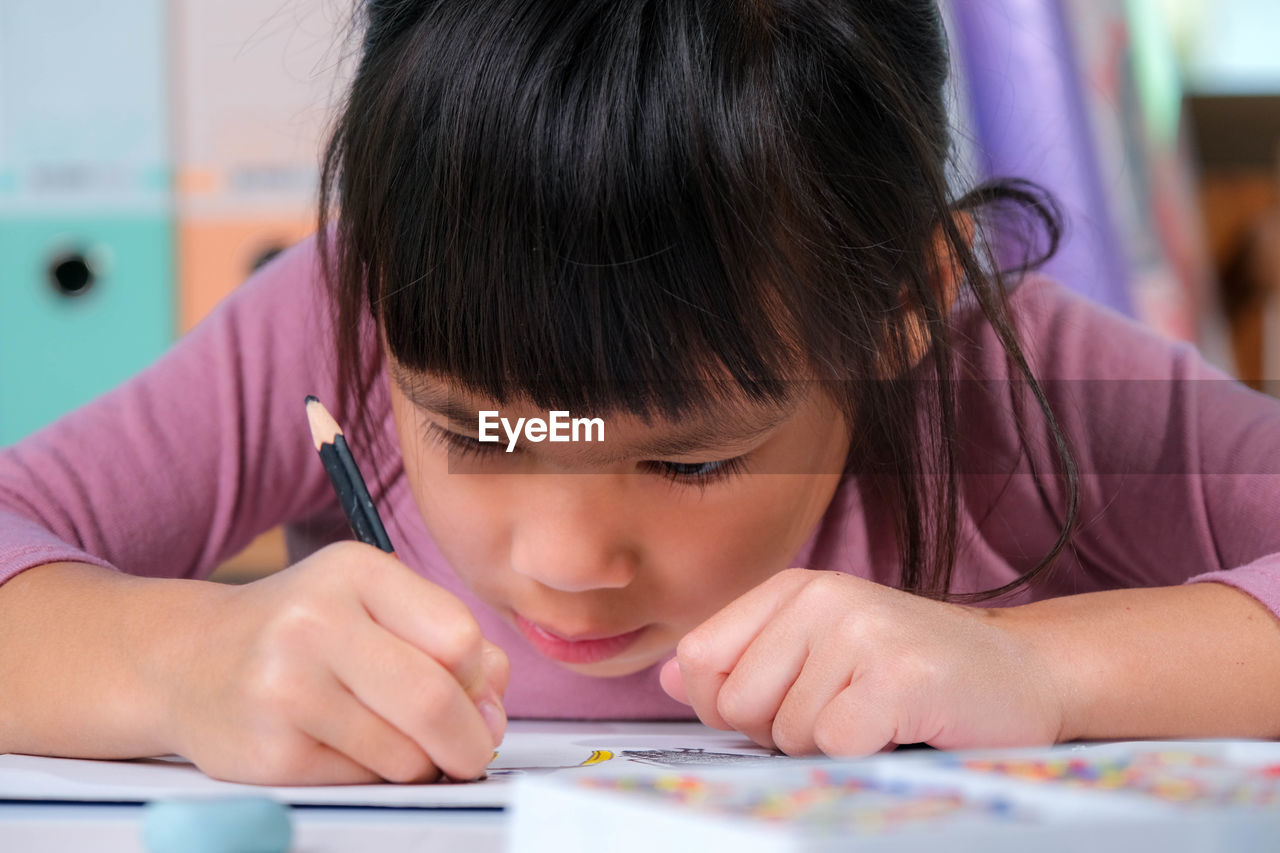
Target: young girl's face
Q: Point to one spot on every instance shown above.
(604, 554)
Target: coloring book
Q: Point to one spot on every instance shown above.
(1167, 796)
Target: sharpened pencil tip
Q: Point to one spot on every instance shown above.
(312, 398)
(324, 429)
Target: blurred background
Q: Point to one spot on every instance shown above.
(153, 153)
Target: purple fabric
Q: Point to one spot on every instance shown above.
(1031, 120)
(181, 466)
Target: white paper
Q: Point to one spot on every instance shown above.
(530, 747)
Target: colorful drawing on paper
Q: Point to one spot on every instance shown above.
(1172, 776)
(822, 800)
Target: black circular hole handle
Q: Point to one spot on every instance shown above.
(72, 274)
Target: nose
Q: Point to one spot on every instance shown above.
(572, 543)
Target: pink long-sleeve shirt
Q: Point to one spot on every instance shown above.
(180, 467)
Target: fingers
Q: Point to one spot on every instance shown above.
(425, 616)
(497, 672)
(841, 705)
(414, 657)
(709, 653)
(763, 678)
(825, 677)
(347, 668)
(856, 723)
(435, 622)
(804, 701)
(772, 667)
(792, 726)
(312, 763)
(672, 682)
(324, 765)
(417, 696)
(497, 669)
(345, 726)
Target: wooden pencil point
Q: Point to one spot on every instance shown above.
(324, 429)
(341, 467)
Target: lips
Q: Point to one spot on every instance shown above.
(582, 648)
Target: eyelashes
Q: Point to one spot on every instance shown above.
(691, 473)
(460, 445)
(700, 473)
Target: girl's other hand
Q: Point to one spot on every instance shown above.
(813, 661)
(345, 668)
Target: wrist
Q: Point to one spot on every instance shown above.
(86, 658)
(1061, 674)
(165, 635)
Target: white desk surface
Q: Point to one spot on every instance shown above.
(106, 828)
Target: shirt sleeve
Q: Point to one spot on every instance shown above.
(181, 466)
(1179, 465)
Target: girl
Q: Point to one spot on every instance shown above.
(829, 431)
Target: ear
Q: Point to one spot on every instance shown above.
(948, 276)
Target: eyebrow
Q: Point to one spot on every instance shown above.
(697, 436)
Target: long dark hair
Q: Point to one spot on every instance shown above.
(586, 203)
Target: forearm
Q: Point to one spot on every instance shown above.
(1201, 660)
(85, 654)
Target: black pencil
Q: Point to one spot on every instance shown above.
(353, 494)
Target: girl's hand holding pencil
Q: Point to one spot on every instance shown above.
(345, 668)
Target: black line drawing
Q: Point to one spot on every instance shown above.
(690, 757)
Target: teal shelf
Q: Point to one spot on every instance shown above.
(85, 303)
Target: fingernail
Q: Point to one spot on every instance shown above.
(494, 717)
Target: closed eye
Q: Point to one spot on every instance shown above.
(692, 473)
(699, 473)
(463, 445)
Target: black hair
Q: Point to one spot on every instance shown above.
(588, 203)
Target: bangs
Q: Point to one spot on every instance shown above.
(584, 210)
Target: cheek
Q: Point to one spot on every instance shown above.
(723, 546)
(464, 514)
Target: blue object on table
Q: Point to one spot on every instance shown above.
(217, 825)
